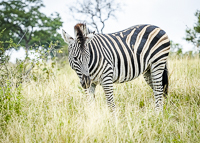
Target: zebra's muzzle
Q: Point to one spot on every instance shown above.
(85, 81)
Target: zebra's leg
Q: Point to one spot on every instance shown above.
(90, 93)
(107, 85)
(147, 77)
(157, 70)
(165, 81)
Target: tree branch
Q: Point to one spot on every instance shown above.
(95, 10)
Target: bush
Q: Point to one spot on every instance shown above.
(12, 76)
(10, 103)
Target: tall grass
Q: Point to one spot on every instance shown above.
(57, 110)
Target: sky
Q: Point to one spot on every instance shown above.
(173, 16)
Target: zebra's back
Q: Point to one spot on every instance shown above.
(129, 52)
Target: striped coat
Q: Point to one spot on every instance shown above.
(120, 57)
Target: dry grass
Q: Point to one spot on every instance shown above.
(57, 111)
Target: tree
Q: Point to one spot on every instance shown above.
(193, 35)
(94, 12)
(176, 48)
(25, 23)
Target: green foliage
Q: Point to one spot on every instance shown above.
(25, 23)
(176, 51)
(9, 43)
(10, 99)
(193, 34)
(13, 76)
(176, 48)
(10, 103)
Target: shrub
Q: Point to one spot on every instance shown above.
(12, 76)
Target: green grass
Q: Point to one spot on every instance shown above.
(57, 111)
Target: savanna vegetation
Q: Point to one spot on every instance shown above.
(41, 100)
(56, 110)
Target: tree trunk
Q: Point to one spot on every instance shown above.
(26, 49)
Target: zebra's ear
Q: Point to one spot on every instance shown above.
(89, 38)
(67, 38)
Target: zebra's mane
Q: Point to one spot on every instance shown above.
(80, 32)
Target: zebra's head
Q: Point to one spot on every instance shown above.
(79, 55)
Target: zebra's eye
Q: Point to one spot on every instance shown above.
(75, 58)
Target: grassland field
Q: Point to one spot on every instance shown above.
(57, 110)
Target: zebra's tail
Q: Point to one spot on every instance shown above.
(165, 81)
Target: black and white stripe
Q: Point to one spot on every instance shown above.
(122, 56)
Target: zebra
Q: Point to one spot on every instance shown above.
(119, 57)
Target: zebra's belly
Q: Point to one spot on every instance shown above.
(121, 76)
(123, 79)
